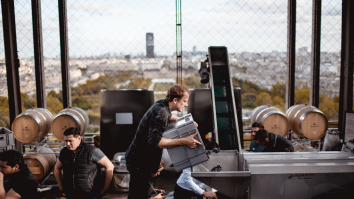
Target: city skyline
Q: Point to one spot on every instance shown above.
(96, 28)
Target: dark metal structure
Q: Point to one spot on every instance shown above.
(200, 106)
(121, 112)
(12, 61)
(64, 53)
(315, 53)
(291, 49)
(179, 41)
(38, 53)
(346, 72)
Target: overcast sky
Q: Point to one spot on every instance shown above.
(115, 26)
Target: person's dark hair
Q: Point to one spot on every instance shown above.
(176, 91)
(12, 158)
(257, 125)
(211, 146)
(72, 131)
(261, 135)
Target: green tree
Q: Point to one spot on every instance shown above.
(278, 90)
(54, 105)
(27, 101)
(329, 107)
(56, 95)
(94, 118)
(263, 99)
(192, 82)
(302, 95)
(81, 103)
(279, 102)
(139, 82)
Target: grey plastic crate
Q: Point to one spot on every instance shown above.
(183, 157)
(6, 137)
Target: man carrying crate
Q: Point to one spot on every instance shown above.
(144, 154)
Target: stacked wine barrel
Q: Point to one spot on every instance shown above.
(69, 117)
(41, 163)
(272, 118)
(307, 121)
(304, 120)
(32, 125)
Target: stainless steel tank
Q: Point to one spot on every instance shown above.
(121, 112)
(280, 175)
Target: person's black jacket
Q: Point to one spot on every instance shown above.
(278, 143)
(144, 154)
(79, 171)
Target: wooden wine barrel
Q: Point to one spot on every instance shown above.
(69, 117)
(272, 118)
(307, 121)
(42, 163)
(32, 125)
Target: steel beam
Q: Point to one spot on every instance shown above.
(12, 61)
(346, 71)
(38, 54)
(179, 41)
(315, 53)
(290, 87)
(11, 57)
(64, 51)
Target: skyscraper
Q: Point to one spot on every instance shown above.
(150, 45)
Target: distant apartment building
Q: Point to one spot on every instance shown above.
(150, 45)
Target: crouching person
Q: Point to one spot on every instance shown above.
(22, 183)
(189, 188)
(78, 167)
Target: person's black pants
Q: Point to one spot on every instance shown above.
(181, 193)
(139, 184)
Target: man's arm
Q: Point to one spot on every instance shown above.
(173, 118)
(11, 194)
(2, 189)
(188, 141)
(58, 174)
(107, 164)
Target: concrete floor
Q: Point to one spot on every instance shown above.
(164, 181)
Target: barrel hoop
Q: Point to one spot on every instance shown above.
(73, 116)
(255, 110)
(44, 155)
(270, 113)
(45, 119)
(38, 122)
(272, 107)
(301, 110)
(303, 117)
(48, 113)
(82, 117)
(287, 113)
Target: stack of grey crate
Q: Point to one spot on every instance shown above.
(7, 140)
(183, 157)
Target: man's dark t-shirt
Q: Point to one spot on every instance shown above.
(23, 183)
(144, 153)
(278, 143)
